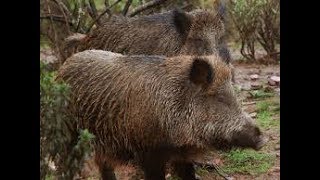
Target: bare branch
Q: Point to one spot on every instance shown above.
(126, 7)
(103, 13)
(94, 10)
(106, 3)
(56, 18)
(146, 6)
(213, 167)
(62, 9)
(55, 42)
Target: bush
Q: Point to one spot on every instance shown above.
(61, 145)
(257, 21)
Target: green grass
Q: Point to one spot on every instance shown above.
(260, 94)
(265, 113)
(247, 162)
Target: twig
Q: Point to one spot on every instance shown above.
(248, 103)
(213, 167)
(94, 10)
(103, 13)
(146, 6)
(56, 18)
(54, 31)
(126, 7)
(62, 8)
(106, 3)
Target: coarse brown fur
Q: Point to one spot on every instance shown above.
(199, 32)
(152, 110)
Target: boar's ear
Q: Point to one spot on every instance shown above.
(201, 72)
(181, 21)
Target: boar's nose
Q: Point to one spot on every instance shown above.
(262, 140)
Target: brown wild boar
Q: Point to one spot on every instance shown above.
(156, 110)
(200, 32)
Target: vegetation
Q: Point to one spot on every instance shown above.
(247, 162)
(257, 22)
(62, 148)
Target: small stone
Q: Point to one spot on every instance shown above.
(275, 78)
(277, 154)
(274, 81)
(256, 86)
(168, 175)
(271, 83)
(276, 169)
(254, 77)
(253, 115)
(277, 147)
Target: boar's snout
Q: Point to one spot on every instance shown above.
(262, 140)
(249, 137)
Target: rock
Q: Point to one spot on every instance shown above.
(168, 175)
(253, 115)
(277, 147)
(274, 81)
(276, 169)
(254, 77)
(256, 86)
(277, 90)
(275, 78)
(277, 154)
(271, 83)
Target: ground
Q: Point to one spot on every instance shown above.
(260, 97)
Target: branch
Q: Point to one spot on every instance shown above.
(211, 167)
(106, 3)
(62, 9)
(107, 10)
(126, 7)
(94, 10)
(56, 18)
(146, 6)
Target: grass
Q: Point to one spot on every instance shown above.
(247, 162)
(260, 94)
(265, 113)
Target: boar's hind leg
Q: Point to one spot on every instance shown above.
(184, 170)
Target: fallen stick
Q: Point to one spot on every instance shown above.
(213, 167)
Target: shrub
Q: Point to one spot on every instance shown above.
(60, 143)
(257, 22)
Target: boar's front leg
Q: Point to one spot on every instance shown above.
(153, 167)
(184, 170)
(106, 170)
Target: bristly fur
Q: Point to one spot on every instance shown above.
(171, 33)
(154, 109)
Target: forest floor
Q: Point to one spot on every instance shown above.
(258, 87)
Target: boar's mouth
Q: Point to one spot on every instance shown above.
(247, 139)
